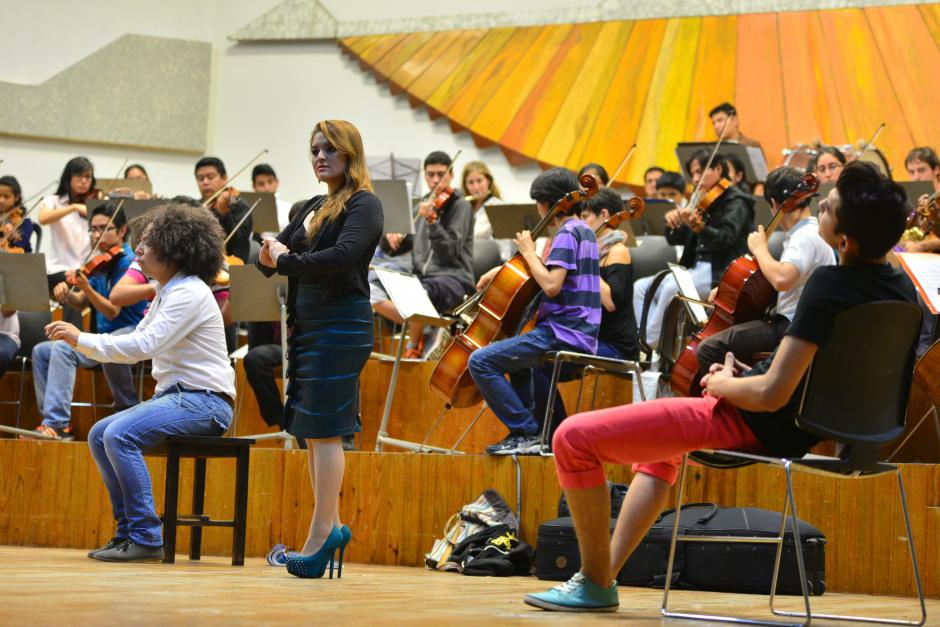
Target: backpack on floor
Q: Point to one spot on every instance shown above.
(488, 510)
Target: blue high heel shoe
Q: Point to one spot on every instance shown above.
(314, 566)
(347, 536)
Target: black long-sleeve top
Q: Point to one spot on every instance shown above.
(337, 259)
(240, 244)
(730, 219)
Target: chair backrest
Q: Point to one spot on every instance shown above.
(37, 236)
(32, 329)
(857, 387)
(652, 256)
(485, 256)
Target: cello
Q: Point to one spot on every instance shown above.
(744, 294)
(501, 312)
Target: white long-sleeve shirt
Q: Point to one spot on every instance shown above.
(182, 333)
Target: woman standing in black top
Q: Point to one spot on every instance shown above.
(325, 253)
(617, 337)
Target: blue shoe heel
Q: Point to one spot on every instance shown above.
(314, 566)
(347, 536)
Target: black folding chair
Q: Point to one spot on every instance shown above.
(32, 332)
(855, 393)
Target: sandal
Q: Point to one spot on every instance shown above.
(45, 432)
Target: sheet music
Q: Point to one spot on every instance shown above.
(687, 288)
(924, 270)
(407, 294)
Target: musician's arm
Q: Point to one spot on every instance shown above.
(721, 234)
(550, 280)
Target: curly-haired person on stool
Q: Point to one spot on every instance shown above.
(183, 334)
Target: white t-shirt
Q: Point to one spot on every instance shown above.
(806, 250)
(283, 212)
(70, 243)
(10, 326)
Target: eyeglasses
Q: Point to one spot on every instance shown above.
(100, 229)
(832, 167)
(83, 177)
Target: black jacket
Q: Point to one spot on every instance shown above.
(730, 219)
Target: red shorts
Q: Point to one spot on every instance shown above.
(651, 436)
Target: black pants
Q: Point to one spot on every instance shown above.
(744, 340)
(260, 364)
(8, 350)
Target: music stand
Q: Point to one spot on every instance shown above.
(763, 213)
(19, 276)
(132, 207)
(264, 217)
(507, 220)
(916, 189)
(254, 297)
(412, 302)
(134, 185)
(688, 294)
(653, 220)
(396, 206)
(755, 164)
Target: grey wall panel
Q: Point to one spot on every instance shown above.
(150, 92)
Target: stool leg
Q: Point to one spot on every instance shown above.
(170, 498)
(241, 507)
(199, 497)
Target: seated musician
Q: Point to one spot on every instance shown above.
(182, 333)
(723, 114)
(481, 191)
(599, 172)
(227, 207)
(804, 250)
(568, 317)
(617, 337)
(136, 171)
(827, 164)
(670, 186)
(922, 164)
(264, 180)
(650, 179)
(710, 244)
(55, 363)
(745, 409)
(17, 229)
(736, 173)
(441, 255)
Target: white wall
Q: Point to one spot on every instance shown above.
(262, 95)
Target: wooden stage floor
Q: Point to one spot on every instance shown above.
(63, 586)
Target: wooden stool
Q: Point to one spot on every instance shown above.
(201, 448)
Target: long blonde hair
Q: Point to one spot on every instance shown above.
(343, 136)
(478, 166)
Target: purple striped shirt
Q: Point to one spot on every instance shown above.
(574, 314)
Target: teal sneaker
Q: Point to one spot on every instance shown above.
(578, 594)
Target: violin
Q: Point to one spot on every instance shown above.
(634, 209)
(13, 218)
(224, 200)
(222, 277)
(703, 202)
(441, 199)
(96, 264)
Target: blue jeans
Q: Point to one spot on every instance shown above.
(116, 444)
(513, 401)
(542, 380)
(54, 367)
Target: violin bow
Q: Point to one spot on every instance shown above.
(240, 222)
(871, 142)
(708, 164)
(623, 163)
(114, 180)
(218, 192)
(6, 237)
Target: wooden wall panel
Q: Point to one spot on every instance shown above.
(507, 97)
(617, 122)
(667, 101)
(568, 135)
(907, 65)
(760, 95)
(563, 95)
(862, 81)
(713, 81)
(812, 103)
(398, 503)
(527, 131)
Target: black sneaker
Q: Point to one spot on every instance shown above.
(112, 543)
(529, 444)
(130, 552)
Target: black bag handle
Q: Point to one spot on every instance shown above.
(701, 521)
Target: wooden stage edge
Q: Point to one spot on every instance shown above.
(213, 591)
(51, 495)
